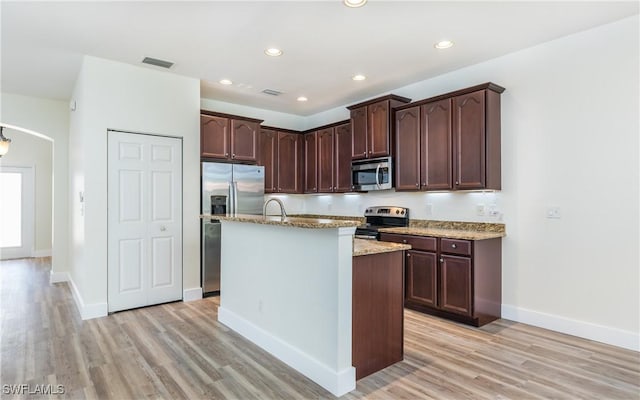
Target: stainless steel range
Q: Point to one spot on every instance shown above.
(382, 217)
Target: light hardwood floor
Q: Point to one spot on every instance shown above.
(179, 350)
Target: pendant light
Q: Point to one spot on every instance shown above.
(4, 143)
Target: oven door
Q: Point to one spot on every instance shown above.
(372, 174)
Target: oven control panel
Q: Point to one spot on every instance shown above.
(385, 211)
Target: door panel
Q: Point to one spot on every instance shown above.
(161, 184)
(144, 220)
(130, 266)
(214, 137)
(378, 126)
(244, 140)
(359, 140)
(342, 161)
(325, 160)
(162, 261)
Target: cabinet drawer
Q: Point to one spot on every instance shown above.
(454, 246)
(424, 243)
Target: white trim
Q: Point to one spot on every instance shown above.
(41, 253)
(88, 311)
(337, 382)
(192, 294)
(56, 277)
(587, 330)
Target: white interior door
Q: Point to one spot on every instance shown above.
(144, 220)
(17, 212)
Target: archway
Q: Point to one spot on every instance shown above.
(26, 191)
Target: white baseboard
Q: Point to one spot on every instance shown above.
(55, 277)
(587, 330)
(41, 253)
(192, 294)
(87, 311)
(337, 382)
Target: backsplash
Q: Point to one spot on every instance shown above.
(443, 206)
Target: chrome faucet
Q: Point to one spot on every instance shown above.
(283, 214)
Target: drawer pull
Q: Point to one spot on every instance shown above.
(453, 246)
(404, 241)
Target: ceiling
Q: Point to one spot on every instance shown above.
(324, 43)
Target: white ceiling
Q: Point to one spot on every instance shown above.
(324, 43)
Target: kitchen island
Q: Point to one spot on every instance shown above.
(286, 285)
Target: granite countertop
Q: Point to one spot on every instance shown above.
(297, 222)
(446, 233)
(363, 247)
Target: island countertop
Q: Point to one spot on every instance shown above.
(297, 222)
(363, 247)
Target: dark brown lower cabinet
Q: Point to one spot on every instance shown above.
(377, 312)
(422, 277)
(455, 279)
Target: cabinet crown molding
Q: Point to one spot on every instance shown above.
(487, 85)
(379, 99)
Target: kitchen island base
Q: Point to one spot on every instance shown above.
(288, 289)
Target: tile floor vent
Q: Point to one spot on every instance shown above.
(271, 92)
(157, 63)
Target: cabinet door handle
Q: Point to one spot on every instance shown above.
(457, 183)
(417, 184)
(404, 241)
(453, 246)
(424, 184)
(408, 254)
(365, 153)
(441, 260)
(226, 154)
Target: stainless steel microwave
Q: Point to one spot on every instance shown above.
(372, 174)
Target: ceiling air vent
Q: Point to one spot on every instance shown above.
(271, 92)
(157, 63)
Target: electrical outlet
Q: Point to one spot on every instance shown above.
(480, 210)
(493, 211)
(553, 212)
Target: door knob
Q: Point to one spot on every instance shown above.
(163, 228)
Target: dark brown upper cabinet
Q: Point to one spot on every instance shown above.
(229, 138)
(311, 162)
(281, 155)
(214, 137)
(423, 147)
(342, 158)
(269, 158)
(450, 142)
(325, 160)
(290, 157)
(371, 126)
(476, 140)
(328, 159)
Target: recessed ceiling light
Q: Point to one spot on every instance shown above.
(354, 3)
(445, 44)
(302, 98)
(273, 52)
(226, 82)
(358, 77)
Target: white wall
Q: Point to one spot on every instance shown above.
(569, 139)
(49, 118)
(112, 95)
(270, 118)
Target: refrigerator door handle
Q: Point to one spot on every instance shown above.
(230, 199)
(235, 197)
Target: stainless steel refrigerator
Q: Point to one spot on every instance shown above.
(226, 189)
